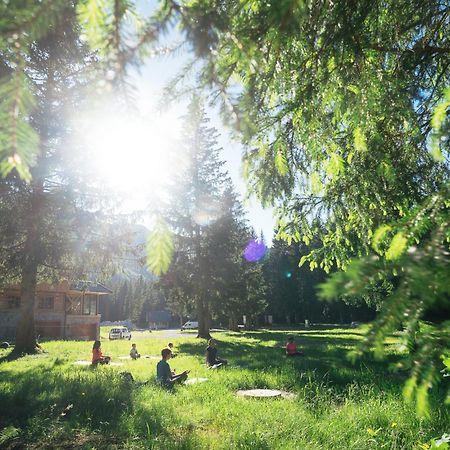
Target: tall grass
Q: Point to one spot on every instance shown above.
(47, 402)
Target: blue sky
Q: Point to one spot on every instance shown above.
(150, 81)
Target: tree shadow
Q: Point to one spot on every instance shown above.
(50, 400)
(14, 356)
(325, 356)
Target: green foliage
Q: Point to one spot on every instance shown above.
(440, 125)
(352, 93)
(419, 279)
(397, 247)
(93, 17)
(21, 25)
(18, 139)
(281, 161)
(116, 32)
(160, 248)
(360, 140)
(9, 434)
(320, 117)
(418, 268)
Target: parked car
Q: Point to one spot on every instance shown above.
(119, 333)
(189, 325)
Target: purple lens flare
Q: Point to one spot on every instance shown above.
(255, 250)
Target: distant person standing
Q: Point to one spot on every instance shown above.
(291, 347)
(134, 352)
(164, 375)
(211, 355)
(97, 355)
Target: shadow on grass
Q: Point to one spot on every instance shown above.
(325, 356)
(12, 356)
(52, 405)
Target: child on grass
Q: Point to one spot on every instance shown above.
(97, 355)
(291, 347)
(134, 352)
(170, 346)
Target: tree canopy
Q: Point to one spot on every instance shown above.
(342, 108)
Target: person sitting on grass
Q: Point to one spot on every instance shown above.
(291, 347)
(170, 346)
(164, 376)
(97, 355)
(134, 352)
(212, 360)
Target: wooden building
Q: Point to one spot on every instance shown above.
(63, 311)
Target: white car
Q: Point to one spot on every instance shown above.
(190, 325)
(119, 333)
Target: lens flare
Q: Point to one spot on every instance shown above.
(255, 250)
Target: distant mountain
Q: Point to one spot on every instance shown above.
(133, 263)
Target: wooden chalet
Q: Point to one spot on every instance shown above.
(63, 311)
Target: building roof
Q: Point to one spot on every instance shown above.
(65, 287)
(159, 316)
(90, 286)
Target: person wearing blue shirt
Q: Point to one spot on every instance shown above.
(164, 375)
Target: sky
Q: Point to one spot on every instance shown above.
(156, 73)
(130, 151)
(149, 83)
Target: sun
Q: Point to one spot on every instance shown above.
(131, 152)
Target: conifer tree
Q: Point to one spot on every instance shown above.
(196, 204)
(240, 285)
(53, 225)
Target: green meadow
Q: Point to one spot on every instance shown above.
(48, 402)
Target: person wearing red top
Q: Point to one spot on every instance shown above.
(291, 348)
(97, 355)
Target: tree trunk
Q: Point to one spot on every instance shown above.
(233, 324)
(203, 319)
(25, 329)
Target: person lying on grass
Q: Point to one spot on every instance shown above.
(134, 352)
(211, 355)
(291, 347)
(166, 377)
(97, 355)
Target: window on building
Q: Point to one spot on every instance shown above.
(46, 302)
(90, 304)
(13, 302)
(86, 305)
(93, 304)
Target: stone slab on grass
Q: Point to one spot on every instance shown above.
(196, 380)
(264, 393)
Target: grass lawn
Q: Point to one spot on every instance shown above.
(48, 402)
